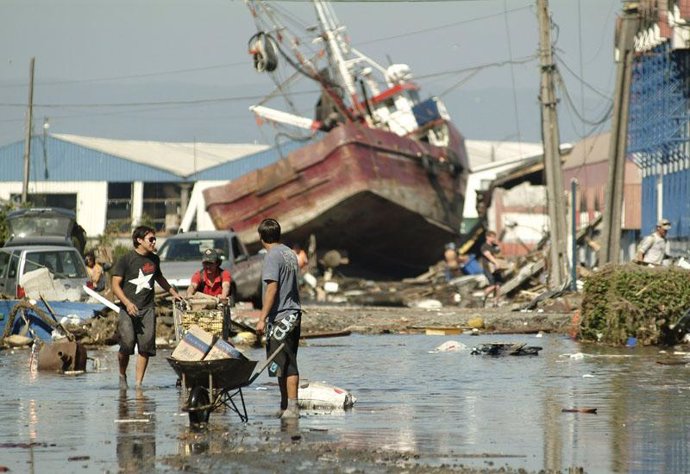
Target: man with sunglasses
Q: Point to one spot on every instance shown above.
(134, 278)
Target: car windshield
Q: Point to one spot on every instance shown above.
(61, 263)
(185, 250)
(39, 225)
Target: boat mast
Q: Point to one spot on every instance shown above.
(329, 27)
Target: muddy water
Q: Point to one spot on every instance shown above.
(443, 408)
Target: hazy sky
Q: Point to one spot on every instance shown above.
(178, 70)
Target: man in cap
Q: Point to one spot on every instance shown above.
(211, 279)
(652, 249)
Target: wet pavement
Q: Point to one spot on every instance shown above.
(414, 408)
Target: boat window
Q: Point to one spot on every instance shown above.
(4, 263)
(413, 95)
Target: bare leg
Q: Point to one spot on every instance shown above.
(282, 383)
(142, 363)
(292, 386)
(123, 360)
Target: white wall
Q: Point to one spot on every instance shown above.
(92, 199)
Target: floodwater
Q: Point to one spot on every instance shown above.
(447, 408)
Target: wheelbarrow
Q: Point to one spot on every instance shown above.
(215, 383)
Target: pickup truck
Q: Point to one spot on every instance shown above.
(181, 256)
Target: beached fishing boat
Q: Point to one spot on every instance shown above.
(382, 173)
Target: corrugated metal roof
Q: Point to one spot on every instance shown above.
(182, 159)
(70, 158)
(484, 154)
(235, 169)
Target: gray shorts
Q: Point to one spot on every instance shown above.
(138, 330)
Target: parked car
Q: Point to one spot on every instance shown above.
(65, 267)
(45, 226)
(181, 257)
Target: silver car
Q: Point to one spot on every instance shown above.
(64, 264)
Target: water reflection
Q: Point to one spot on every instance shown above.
(447, 407)
(136, 432)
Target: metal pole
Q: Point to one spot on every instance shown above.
(27, 135)
(613, 206)
(552, 155)
(573, 215)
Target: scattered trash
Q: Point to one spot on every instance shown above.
(579, 410)
(450, 346)
(476, 322)
(631, 342)
(427, 304)
(499, 349)
(443, 331)
(320, 395)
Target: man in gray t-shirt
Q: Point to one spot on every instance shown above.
(281, 313)
(652, 249)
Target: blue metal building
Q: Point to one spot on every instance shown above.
(659, 135)
(106, 180)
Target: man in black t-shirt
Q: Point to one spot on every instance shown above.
(134, 278)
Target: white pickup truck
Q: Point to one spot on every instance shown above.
(181, 256)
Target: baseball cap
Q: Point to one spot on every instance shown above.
(664, 223)
(210, 255)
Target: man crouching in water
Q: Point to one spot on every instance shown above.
(281, 314)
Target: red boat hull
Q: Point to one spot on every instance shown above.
(390, 202)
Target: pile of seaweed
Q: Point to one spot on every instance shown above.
(623, 301)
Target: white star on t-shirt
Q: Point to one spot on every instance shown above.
(142, 282)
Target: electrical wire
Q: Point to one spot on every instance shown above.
(512, 76)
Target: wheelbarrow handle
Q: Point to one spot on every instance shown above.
(265, 364)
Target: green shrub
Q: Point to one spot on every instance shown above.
(622, 301)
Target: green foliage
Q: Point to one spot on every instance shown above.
(633, 300)
(5, 208)
(119, 251)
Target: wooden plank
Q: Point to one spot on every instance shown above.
(525, 273)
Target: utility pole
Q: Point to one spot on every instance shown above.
(27, 136)
(613, 206)
(552, 155)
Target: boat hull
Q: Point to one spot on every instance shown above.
(390, 202)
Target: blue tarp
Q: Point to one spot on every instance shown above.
(42, 330)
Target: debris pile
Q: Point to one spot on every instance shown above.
(624, 301)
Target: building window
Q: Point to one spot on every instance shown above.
(119, 207)
(65, 201)
(162, 206)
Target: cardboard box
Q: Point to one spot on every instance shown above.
(195, 344)
(223, 350)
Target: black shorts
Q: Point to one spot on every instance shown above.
(138, 330)
(286, 361)
(494, 278)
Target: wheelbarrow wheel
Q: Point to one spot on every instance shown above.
(198, 398)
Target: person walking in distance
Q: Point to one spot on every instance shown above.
(652, 249)
(281, 314)
(492, 271)
(134, 278)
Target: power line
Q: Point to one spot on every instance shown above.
(448, 25)
(131, 76)
(253, 97)
(585, 83)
